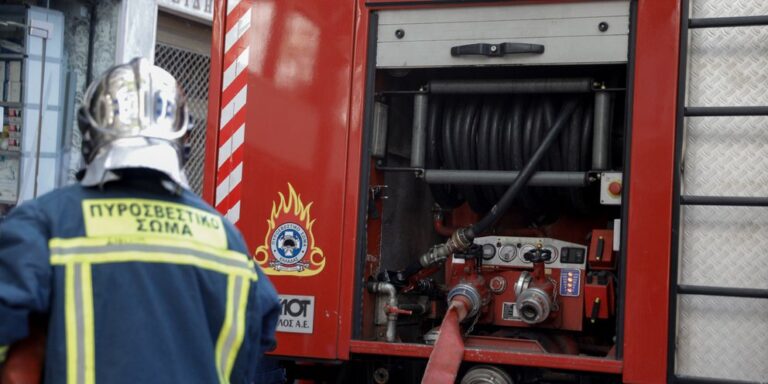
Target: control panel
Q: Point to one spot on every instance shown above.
(509, 251)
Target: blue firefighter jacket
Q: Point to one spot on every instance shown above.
(139, 286)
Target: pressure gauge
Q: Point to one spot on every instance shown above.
(489, 251)
(507, 253)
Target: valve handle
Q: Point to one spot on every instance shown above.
(397, 310)
(473, 252)
(538, 255)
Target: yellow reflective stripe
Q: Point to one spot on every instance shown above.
(89, 342)
(150, 250)
(152, 257)
(233, 328)
(3, 352)
(239, 327)
(79, 254)
(78, 323)
(147, 240)
(225, 330)
(70, 322)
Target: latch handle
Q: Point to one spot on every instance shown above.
(495, 50)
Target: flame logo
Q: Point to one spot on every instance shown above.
(290, 210)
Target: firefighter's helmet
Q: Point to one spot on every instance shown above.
(134, 116)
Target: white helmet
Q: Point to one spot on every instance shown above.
(134, 116)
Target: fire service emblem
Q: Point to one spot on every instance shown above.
(289, 245)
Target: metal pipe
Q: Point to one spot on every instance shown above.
(728, 201)
(728, 22)
(419, 141)
(754, 293)
(391, 292)
(573, 85)
(41, 107)
(440, 227)
(726, 111)
(539, 179)
(91, 41)
(601, 131)
(379, 139)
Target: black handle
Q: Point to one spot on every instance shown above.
(600, 248)
(495, 50)
(595, 310)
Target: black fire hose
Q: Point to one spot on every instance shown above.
(500, 133)
(462, 238)
(525, 174)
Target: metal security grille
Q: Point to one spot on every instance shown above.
(191, 69)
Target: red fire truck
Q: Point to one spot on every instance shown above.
(500, 191)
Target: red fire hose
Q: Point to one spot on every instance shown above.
(445, 359)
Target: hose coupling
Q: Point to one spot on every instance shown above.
(471, 296)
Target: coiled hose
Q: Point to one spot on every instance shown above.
(502, 133)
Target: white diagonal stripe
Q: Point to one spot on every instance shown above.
(235, 68)
(237, 30)
(238, 138)
(225, 151)
(234, 213)
(229, 183)
(229, 111)
(234, 142)
(222, 190)
(231, 4)
(236, 176)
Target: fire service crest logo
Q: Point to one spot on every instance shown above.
(289, 245)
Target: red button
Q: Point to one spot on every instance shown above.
(614, 188)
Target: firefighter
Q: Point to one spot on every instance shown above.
(138, 280)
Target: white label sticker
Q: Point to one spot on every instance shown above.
(457, 260)
(509, 312)
(297, 314)
(202, 10)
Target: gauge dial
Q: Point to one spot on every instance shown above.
(507, 253)
(489, 251)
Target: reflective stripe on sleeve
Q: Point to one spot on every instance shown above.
(233, 328)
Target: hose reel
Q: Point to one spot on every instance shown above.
(471, 138)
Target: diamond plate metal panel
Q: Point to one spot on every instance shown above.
(725, 246)
(727, 66)
(723, 338)
(725, 8)
(726, 156)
